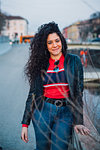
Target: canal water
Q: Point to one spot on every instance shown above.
(91, 98)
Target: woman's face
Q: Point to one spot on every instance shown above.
(54, 46)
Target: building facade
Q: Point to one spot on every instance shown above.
(73, 32)
(15, 26)
(84, 30)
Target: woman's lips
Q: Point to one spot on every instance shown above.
(55, 49)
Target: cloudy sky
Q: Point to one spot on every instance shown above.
(63, 12)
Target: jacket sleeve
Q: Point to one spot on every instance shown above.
(78, 92)
(29, 106)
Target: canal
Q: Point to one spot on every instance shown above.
(91, 98)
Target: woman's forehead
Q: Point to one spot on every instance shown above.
(52, 36)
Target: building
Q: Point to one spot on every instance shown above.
(15, 26)
(84, 30)
(89, 29)
(73, 32)
(64, 32)
(95, 15)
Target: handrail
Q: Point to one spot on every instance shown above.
(77, 46)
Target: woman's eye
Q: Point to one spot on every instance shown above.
(49, 42)
(57, 40)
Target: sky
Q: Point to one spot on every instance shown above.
(38, 12)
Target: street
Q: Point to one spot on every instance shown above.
(13, 93)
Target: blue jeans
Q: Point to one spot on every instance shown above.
(53, 127)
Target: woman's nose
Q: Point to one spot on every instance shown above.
(54, 44)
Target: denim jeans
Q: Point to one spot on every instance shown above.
(53, 127)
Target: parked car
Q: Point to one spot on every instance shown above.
(96, 40)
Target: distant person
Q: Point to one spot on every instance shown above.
(54, 102)
(83, 55)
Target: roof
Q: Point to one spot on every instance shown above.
(15, 18)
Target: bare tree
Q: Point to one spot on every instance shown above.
(2, 21)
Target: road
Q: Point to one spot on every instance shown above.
(4, 47)
(13, 93)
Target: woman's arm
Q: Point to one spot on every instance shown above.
(27, 114)
(29, 106)
(24, 134)
(79, 127)
(78, 91)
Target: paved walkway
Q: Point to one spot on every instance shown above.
(13, 94)
(4, 47)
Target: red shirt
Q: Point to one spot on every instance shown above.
(55, 84)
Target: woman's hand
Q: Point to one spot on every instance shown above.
(24, 134)
(81, 129)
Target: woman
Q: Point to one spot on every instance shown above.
(54, 102)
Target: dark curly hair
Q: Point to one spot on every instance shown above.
(39, 54)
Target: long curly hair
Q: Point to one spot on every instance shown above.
(39, 54)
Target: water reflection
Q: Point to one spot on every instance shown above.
(91, 98)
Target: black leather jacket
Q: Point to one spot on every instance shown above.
(74, 74)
